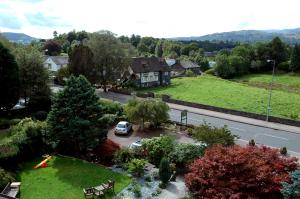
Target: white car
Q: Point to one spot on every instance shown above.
(123, 128)
(136, 144)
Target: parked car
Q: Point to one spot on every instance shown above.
(136, 144)
(123, 128)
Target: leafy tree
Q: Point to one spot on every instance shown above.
(159, 49)
(33, 77)
(111, 56)
(223, 67)
(81, 36)
(157, 148)
(279, 50)
(71, 36)
(148, 110)
(135, 40)
(292, 190)
(62, 75)
(54, 33)
(240, 65)
(73, 119)
(295, 58)
(5, 42)
(9, 81)
(52, 48)
(213, 135)
(164, 170)
(81, 63)
(239, 172)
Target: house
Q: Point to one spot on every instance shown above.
(179, 67)
(149, 72)
(54, 63)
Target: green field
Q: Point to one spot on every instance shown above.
(214, 91)
(65, 178)
(284, 82)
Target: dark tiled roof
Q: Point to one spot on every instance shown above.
(148, 64)
(60, 60)
(177, 67)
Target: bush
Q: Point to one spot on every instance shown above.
(213, 135)
(111, 107)
(285, 66)
(123, 156)
(292, 190)
(223, 68)
(251, 142)
(244, 172)
(136, 189)
(40, 115)
(164, 171)
(210, 71)
(4, 123)
(105, 151)
(158, 147)
(189, 73)
(136, 167)
(283, 151)
(108, 120)
(5, 178)
(184, 154)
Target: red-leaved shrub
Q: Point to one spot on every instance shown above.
(239, 172)
(105, 151)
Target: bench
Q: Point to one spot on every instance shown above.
(11, 190)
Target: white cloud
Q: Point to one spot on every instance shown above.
(158, 18)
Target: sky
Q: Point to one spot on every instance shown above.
(157, 18)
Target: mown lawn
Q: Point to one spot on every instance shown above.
(214, 91)
(65, 178)
(286, 82)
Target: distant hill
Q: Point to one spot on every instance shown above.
(18, 37)
(290, 36)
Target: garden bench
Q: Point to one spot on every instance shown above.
(110, 185)
(88, 192)
(11, 190)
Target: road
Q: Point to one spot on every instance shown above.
(261, 135)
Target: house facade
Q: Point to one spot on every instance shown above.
(54, 63)
(149, 72)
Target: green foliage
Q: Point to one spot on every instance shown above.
(136, 189)
(136, 166)
(164, 170)
(213, 135)
(157, 148)
(111, 107)
(295, 58)
(292, 190)
(5, 178)
(240, 65)
(223, 68)
(73, 119)
(184, 154)
(62, 75)
(9, 81)
(210, 71)
(279, 50)
(147, 110)
(108, 120)
(52, 48)
(285, 66)
(123, 156)
(189, 73)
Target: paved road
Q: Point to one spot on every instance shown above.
(246, 132)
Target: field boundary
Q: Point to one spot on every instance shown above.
(168, 99)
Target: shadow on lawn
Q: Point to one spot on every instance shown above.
(81, 174)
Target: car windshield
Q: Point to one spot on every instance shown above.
(121, 125)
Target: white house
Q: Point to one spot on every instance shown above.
(54, 63)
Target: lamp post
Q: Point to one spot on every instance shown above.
(270, 89)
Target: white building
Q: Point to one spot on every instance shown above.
(54, 63)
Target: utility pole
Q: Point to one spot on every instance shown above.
(270, 90)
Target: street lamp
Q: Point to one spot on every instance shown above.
(270, 89)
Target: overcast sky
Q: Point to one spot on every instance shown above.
(157, 18)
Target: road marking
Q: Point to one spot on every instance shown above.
(238, 129)
(273, 136)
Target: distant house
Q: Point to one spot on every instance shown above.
(54, 63)
(179, 67)
(149, 72)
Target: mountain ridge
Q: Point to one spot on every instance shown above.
(18, 37)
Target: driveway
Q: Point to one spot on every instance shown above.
(137, 134)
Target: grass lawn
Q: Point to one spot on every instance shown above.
(286, 82)
(65, 178)
(214, 91)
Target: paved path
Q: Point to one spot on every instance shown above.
(266, 133)
(174, 190)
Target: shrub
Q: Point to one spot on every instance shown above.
(14, 121)
(123, 156)
(243, 172)
(210, 71)
(5, 178)
(184, 154)
(213, 135)
(108, 120)
(136, 189)
(158, 147)
(164, 171)
(111, 107)
(148, 178)
(251, 142)
(136, 166)
(283, 151)
(285, 66)
(40, 115)
(4, 123)
(189, 73)
(223, 68)
(106, 150)
(292, 190)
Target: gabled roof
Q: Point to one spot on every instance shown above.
(60, 60)
(148, 64)
(188, 64)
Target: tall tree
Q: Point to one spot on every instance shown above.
(33, 77)
(81, 63)
(279, 50)
(295, 58)
(52, 48)
(9, 81)
(159, 49)
(74, 118)
(111, 56)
